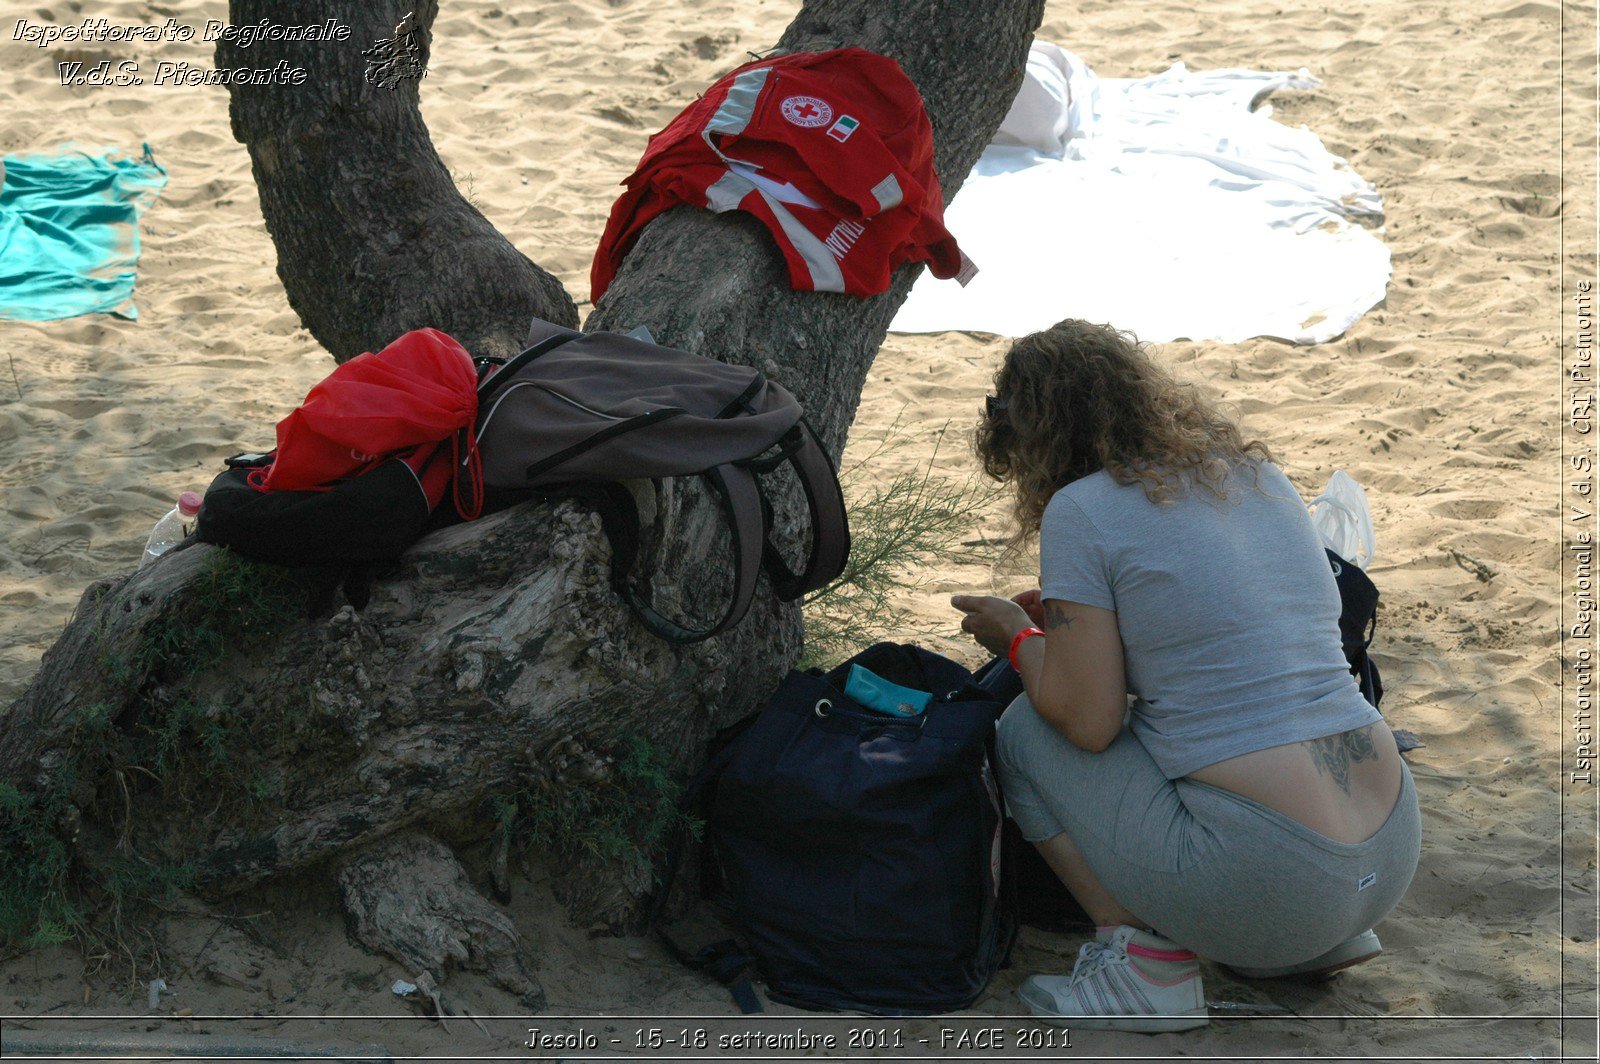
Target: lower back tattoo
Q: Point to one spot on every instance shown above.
(1334, 753)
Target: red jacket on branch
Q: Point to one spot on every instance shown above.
(831, 150)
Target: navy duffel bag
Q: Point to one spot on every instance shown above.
(861, 849)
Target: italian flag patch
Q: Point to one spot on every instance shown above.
(842, 129)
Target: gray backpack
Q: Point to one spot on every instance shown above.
(575, 413)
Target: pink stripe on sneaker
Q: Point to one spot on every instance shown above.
(1160, 954)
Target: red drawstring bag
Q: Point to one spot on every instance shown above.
(421, 389)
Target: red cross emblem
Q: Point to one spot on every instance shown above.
(806, 111)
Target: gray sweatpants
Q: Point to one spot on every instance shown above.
(1216, 872)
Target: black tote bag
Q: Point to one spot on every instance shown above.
(861, 850)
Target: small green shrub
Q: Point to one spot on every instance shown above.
(35, 909)
(910, 522)
(622, 817)
(133, 877)
(182, 738)
(262, 789)
(178, 738)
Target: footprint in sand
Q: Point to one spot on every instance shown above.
(82, 409)
(1535, 206)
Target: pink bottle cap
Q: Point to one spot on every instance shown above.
(189, 503)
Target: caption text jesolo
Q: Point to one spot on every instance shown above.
(973, 1039)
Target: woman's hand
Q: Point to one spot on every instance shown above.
(1031, 603)
(991, 621)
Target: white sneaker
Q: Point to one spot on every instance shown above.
(1362, 947)
(1125, 980)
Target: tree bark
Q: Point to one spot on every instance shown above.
(495, 655)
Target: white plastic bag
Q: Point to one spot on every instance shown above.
(1342, 519)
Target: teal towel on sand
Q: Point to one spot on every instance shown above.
(69, 232)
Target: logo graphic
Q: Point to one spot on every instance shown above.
(395, 59)
(1366, 881)
(841, 130)
(807, 111)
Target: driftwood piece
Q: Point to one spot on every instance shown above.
(409, 897)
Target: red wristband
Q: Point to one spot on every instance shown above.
(1016, 642)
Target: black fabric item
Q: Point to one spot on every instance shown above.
(724, 961)
(367, 519)
(1358, 622)
(1043, 901)
(862, 851)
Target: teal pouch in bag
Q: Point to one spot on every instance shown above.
(874, 692)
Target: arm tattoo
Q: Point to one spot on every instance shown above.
(1055, 616)
(1334, 753)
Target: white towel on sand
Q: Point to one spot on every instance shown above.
(1164, 206)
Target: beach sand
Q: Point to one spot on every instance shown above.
(1445, 402)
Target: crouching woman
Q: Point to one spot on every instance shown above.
(1249, 807)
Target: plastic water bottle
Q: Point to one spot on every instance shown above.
(178, 523)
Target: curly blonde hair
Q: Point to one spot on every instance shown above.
(1077, 398)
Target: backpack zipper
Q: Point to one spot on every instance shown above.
(623, 425)
(573, 402)
(495, 408)
(495, 381)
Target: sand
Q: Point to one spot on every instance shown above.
(1446, 403)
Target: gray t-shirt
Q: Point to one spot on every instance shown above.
(1228, 612)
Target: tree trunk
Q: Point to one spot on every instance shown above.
(373, 238)
(200, 717)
